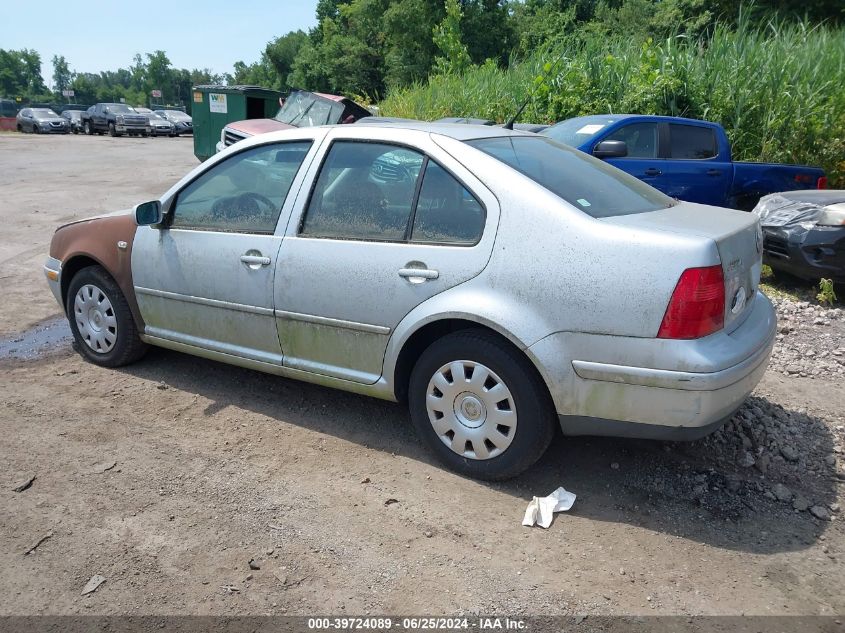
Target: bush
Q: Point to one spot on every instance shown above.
(776, 89)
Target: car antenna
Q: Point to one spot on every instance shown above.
(509, 124)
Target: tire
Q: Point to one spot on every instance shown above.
(112, 131)
(525, 421)
(144, 134)
(35, 129)
(86, 127)
(101, 321)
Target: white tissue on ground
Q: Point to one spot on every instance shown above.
(541, 509)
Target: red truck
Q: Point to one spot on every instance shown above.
(300, 109)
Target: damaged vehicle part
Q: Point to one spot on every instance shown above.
(804, 233)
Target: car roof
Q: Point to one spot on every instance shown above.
(654, 117)
(458, 131)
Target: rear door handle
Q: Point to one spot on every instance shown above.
(652, 171)
(254, 261)
(421, 274)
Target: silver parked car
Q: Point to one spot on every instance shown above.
(159, 126)
(41, 121)
(182, 123)
(497, 281)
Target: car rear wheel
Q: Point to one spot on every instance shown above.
(101, 320)
(480, 405)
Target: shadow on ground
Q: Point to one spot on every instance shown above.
(690, 490)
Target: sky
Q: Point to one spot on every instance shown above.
(208, 34)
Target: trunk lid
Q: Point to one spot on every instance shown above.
(738, 239)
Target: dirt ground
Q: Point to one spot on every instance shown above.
(169, 476)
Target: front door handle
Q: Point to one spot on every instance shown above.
(652, 171)
(254, 259)
(418, 275)
(714, 172)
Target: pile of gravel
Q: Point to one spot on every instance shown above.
(810, 340)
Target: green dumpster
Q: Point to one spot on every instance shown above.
(215, 106)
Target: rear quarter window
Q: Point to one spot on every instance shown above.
(588, 184)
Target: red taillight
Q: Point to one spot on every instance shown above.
(821, 183)
(697, 307)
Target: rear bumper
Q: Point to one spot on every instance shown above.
(654, 388)
(808, 254)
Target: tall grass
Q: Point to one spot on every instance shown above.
(779, 90)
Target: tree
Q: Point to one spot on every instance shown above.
(487, 30)
(62, 77)
(281, 52)
(159, 75)
(453, 57)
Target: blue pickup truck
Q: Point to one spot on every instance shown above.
(686, 159)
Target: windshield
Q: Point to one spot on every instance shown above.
(585, 182)
(574, 132)
(73, 114)
(43, 112)
(304, 109)
(120, 107)
(178, 116)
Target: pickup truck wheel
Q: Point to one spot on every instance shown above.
(112, 130)
(101, 320)
(480, 405)
(86, 127)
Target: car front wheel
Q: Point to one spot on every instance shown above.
(480, 405)
(101, 320)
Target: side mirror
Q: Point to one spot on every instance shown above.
(148, 213)
(611, 149)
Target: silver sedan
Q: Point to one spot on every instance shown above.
(501, 284)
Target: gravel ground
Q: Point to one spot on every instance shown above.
(810, 341)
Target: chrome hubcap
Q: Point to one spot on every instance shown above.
(95, 319)
(471, 409)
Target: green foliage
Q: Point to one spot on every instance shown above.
(777, 89)
(62, 76)
(454, 57)
(826, 293)
(20, 74)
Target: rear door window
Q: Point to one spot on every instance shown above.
(641, 139)
(692, 142)
(365, 191)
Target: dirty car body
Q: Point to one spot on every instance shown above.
(497, 281)
(804, 233)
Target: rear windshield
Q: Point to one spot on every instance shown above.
(585, 182)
